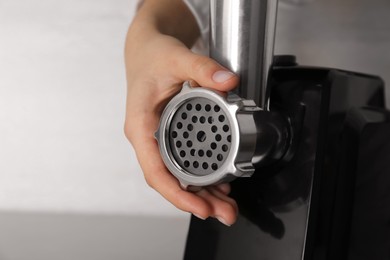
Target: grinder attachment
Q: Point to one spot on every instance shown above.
(206, 138)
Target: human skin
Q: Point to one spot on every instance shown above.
(158, 60)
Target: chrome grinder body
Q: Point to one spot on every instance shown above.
(206, 137)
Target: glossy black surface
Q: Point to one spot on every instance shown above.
(364, 193)
(299, 208)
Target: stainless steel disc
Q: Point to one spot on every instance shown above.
(200, 136)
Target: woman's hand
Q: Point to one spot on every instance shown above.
(158, 61)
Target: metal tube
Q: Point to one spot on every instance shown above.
(242, 34)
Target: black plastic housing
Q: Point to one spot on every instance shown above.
(329, 197)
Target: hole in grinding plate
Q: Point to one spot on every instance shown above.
(225, 147)
(205, 165)
(201, 136)
(225, 128)
(195, 164)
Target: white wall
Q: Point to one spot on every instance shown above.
(352, 35)
(62, 101)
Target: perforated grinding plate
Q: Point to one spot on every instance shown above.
(200, 136)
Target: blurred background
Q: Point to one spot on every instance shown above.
(70, 185)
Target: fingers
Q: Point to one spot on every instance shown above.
(224, 188)
(206, 72)
(223, 208)
(158, 178)
(208, 202)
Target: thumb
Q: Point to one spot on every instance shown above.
(207, 72)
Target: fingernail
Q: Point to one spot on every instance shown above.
(222, 76)
(198, 216)
(222, 221)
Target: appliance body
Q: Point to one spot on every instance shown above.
(327, 197)
(330, 198)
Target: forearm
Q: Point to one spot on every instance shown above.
(169, 17)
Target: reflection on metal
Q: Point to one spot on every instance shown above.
(296, 2)
(242, 34)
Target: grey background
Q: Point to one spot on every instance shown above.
(345, 34)
(70, 186)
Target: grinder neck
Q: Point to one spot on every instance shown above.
(242, 34)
